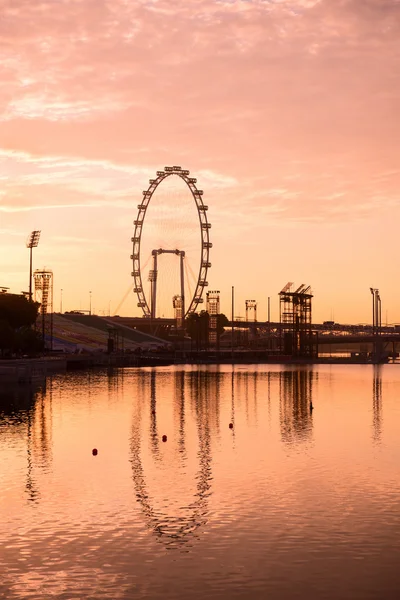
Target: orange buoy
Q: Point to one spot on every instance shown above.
(94, 451)
(164, 438)
(230, 425)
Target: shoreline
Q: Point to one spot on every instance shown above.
(27, 370)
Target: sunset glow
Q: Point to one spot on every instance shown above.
(286, 112)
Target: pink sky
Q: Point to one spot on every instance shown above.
(285, 111)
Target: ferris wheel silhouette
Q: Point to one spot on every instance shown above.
(187, 305)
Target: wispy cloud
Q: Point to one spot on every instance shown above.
(46, 182)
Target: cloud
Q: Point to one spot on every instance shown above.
(299, 96)
(39, 183)
(10, 232)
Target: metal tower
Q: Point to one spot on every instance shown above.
(251, 305)
(32, 242)
(44, 295)
(213, 309)
(295, 316)
(178, 310)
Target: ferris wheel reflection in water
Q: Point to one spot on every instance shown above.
(198, 398)
(199, 393)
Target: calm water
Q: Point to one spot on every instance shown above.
(284, 505)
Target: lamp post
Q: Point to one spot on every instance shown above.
(90, 303)
(232, 319)
(376, 311)
(372, 290)
(379, 312)
(61, 302)
(376, 322)
(32, 242)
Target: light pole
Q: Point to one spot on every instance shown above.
(90, 303)
(379, 312)
(376, 322)
(232, 319)
(32, 242)
(376, 311)
(372, 290)
(61, 302)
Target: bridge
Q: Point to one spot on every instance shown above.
(332, 333)
(324, 328)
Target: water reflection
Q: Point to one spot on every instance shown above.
(15, 402)
(153, 415)
(202, 391)
(233, 402)
(377, 403)
(31, 487)
(248, 389)
(179, 410)
(245, 522)
(205, 396)
(24, 408)
(115, 380)
(296, 394)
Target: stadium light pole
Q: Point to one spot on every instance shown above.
(32, 242)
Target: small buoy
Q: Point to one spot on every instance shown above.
(164, 438)
(230, 425)
(94, 451)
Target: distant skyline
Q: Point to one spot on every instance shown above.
(286, 111)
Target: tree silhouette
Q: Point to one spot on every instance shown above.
(17, 315)
(197, 327)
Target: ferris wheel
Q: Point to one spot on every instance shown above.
(190, 303)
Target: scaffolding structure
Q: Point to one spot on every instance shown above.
(295, 317)
(296, 395)
(213, 309)
(177, 302)
(44, 295)
(113, 339)
(251, 306)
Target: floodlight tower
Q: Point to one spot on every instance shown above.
(213, 309)
(44, 296)
(32, 242)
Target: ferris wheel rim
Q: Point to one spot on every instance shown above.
(205, 227)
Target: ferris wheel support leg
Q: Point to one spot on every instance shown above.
(154, 288)
(183, 288)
